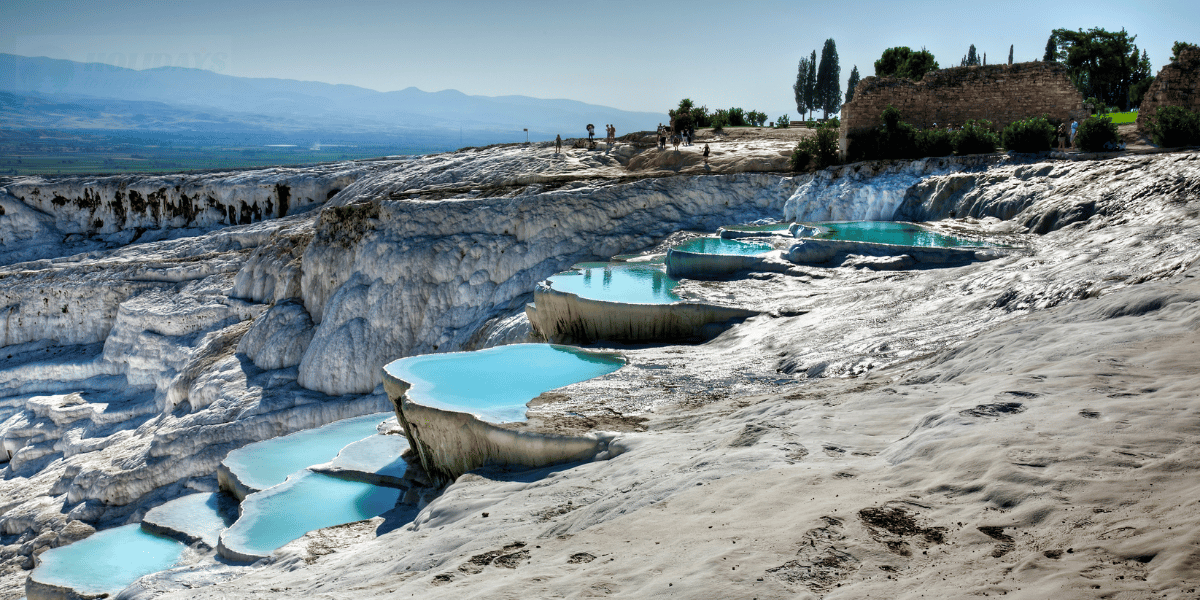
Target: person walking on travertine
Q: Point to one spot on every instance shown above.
(558, 144)
(1062, 136)
(706, 154)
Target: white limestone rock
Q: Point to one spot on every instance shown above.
(278, 338)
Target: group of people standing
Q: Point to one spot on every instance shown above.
(684, 137)
(1063, 132)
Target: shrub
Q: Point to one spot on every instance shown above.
(737, 117)
(976, 137)
(1174, 126)
(719, 119)
(1031, 135)
(801, 156)
(1096, 134)
(896, 139)
(821, 150)
(935, 142)
(811, 124)
(756, 118)
(783, 121)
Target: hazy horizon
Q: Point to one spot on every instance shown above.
(633, 56)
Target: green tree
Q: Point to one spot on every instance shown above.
(1010, 49)
(828, 88)
(971, 59)
(800, 88)
(1177, 47)
(1141, 80)
(810, 83)
(903, 62)
(851, 84)
(1051, 54)
(1101, 63)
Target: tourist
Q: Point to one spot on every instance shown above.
(662, 137)
(1062, 136)
(1074, 127)
(558, 143)
(706, 154)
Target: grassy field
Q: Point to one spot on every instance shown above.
(1125, 117)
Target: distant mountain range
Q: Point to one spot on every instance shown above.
(62, 94)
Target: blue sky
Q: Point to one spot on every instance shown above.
(633, 55)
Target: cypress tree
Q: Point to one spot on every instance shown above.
(810, 83)
(851, 84)
(800, 87)
(828, 88)
(1051, 54)
(1010, 49)
(971, 59)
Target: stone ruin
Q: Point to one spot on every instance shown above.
(1177, 84)
(999, 93)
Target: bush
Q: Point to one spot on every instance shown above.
(935, 142)
(821, 150)
(783, 121)
(1030, 135)
(1096, 134)
(756, 118)
(896, 139)
(719, 119)
(801, 156)
(737, 117)
(976, 137)
(1174, 126)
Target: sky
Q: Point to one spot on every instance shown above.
(641, 55)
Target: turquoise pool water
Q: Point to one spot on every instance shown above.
(496, 383)
(108, 561)
(305, 502)
(715, 245)
(620, 282)
(204, 516)
(263, 464)
(889, 232)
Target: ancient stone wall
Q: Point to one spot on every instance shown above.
(1177, 84)
(999, 93)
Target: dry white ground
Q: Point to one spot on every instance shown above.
(1027, 427)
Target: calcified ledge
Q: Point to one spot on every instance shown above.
(819, 252)
(38, 590)
(449, 443)
(228, 482)
(562, 316)
(682, 264)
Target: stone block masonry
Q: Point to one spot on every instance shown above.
(999, 93)
(1177, 84)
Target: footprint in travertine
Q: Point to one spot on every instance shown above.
(820, 565)
(1006, 544)
(1088, 413)
(996, 409)
(834, 451)
(894, 524)
(508, 557)
(580, 558)
(749, 435)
